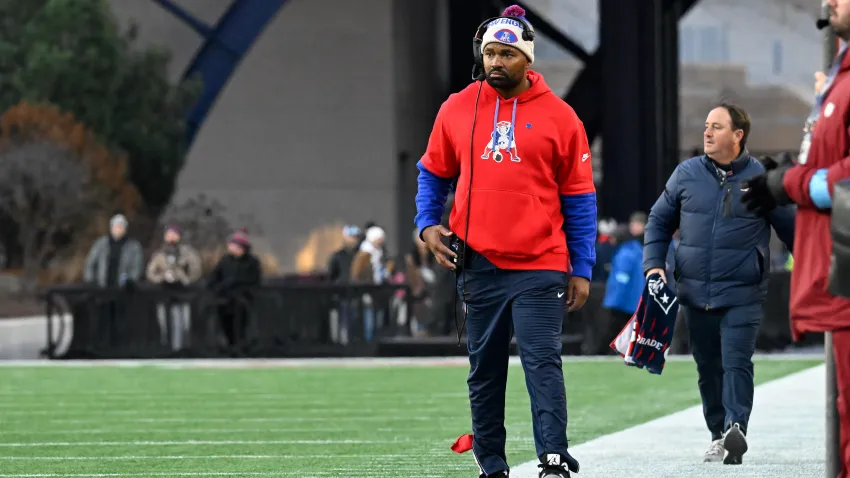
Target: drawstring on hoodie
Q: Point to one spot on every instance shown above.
(495, 133)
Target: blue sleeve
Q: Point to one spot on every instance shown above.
(430, 198)
(819, 190)
(782, 219)
(662, 223)
(580, 227)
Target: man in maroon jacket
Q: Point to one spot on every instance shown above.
(824, 160)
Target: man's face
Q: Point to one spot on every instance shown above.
(235, 249)
(118, 231)
(636, 228)
(172, 237)
(504, 65)
(719, 136)
(839, 17)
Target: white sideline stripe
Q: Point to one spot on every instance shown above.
(197, 442)
(242, 419)
(326, 413)
(786, 439)
(347, 362)
(189, 431)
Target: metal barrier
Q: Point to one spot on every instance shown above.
(300, 320)
(286, 321)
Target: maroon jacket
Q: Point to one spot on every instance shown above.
(813, 308)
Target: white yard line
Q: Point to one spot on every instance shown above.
(114, 420)
(211, 457)
(194, 443)
(190, 431)
(786, 439)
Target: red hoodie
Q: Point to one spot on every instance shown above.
(516, 219)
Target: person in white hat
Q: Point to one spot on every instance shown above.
(115, 259)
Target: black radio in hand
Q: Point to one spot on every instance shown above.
(456, 245)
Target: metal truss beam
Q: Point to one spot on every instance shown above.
(224, 47)
(542, 25)
(584, 95)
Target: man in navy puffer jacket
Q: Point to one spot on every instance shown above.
(722, 266)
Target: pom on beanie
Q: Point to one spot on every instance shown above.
(508, 31)
(514, 11)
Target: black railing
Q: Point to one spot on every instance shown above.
(268, 321)
(300, 320)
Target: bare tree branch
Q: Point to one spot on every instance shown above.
(45, 189)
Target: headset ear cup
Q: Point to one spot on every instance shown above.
(478, 60)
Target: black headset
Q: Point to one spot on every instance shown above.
(478, 73)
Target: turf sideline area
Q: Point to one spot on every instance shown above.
(786, 439)
(341, 362)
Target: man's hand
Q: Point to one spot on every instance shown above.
(658, 270)
(578, 290)
(765, 192)
(433, 237)
(770, 163)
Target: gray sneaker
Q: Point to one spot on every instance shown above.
(715, 452)
(735, 443)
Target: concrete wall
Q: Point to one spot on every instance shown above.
(24, 338)
(307, 133)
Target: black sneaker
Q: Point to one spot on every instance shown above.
(498, 474)
(554, 465)
(735, 443)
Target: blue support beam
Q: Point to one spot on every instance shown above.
(200, 27)
(224, 46)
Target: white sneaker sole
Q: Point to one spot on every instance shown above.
(713, 459)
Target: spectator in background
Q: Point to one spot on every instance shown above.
(422, 278)
(339, 265)
(369, 267)
(174, 265)
(606, 243)
(624, 285)
(339, 272)
(115, 259)
(233, 281)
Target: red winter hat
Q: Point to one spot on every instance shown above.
(240, 238)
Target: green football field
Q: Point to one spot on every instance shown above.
(339, 421)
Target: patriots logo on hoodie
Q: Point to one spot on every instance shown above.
(502, 139)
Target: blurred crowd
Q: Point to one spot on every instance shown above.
(116, 261)
(363, 259)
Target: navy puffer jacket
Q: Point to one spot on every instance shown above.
(723, 259)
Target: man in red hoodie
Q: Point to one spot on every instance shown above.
(824, 160)
(524, 225)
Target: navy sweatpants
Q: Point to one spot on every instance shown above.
(723, 342)
(532, 304)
